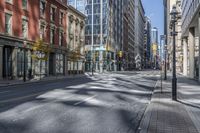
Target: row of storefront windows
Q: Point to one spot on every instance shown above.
(16, 60)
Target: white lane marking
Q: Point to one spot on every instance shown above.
(85, 100)
(4, 92)
(156, 84)
(57, 100)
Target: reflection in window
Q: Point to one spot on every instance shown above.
(8, 23)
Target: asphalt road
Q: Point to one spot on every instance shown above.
(107, 103)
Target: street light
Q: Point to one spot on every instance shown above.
(161, 39)
(165, 76)
(24, 73)
(174, 14)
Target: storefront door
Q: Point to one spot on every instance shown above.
(7, 62)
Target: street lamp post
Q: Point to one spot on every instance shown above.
(161, 38)
(165, 75)
(174, 33)
(24, 73)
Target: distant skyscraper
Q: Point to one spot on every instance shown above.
(147, 43)
(154, 47)
(154, 35)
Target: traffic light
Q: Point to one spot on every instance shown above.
(120, 54)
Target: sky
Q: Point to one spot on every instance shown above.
(154, 10)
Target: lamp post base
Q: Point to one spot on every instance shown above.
(165, 77)
(174, 89)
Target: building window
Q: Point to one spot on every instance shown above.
(52, 36)
(24, 28)
(59, 63)
(61, 18)
(53, 12)
(9, 1)
(40, 65)
(61, 39)
(42, 8)
(25, 4)
(8, 23)
(42, 31)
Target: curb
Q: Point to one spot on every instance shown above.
(146, 115)
(39, 81)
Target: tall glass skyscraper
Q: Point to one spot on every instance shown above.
(103, 38)
(154, 47)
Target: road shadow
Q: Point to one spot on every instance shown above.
(120, 89)
(37, 90)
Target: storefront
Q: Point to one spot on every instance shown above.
(15, 59)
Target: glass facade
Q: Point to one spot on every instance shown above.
(103, 28)
(154, 36)
(96, 22)
(96, 27)
(78, 4)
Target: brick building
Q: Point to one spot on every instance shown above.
(22, 22)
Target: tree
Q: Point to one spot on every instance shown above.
(40, 52)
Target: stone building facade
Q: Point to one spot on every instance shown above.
(75, 41)
(191, 38)
(187, 40)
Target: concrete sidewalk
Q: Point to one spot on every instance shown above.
(6, 83)
(166, 116)
(189, 95)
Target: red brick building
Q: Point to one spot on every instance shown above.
(22, 22)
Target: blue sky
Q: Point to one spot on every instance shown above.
(154, 10)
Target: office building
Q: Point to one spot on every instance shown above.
(139, 34)
(103, 38)
(130, 36)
